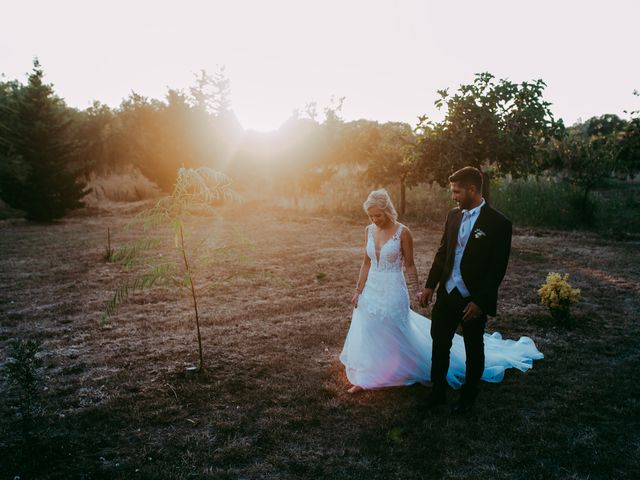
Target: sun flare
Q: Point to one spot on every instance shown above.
(261, 121)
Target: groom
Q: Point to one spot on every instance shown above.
(467, 270)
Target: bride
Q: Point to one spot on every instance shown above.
(388, 344)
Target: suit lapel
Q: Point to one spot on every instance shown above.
(480, 224)
(454, 229)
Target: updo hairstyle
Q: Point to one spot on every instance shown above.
(382, 200)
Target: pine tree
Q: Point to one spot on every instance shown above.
(46, 185)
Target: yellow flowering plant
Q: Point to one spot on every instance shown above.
(557, 295)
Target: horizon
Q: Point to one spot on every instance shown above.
(387, 61)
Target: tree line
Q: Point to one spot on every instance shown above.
(47, 149)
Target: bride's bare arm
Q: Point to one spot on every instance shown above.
(364, 272)
(406, 243)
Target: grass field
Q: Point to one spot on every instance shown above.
(272, 402)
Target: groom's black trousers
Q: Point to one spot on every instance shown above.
(446, 316)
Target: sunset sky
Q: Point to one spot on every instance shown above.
(387, 58)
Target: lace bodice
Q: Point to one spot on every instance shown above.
(390, 255)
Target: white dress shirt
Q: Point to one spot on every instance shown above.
(469, 218)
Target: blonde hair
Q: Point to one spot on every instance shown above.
(382, 200)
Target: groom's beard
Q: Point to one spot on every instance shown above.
(465, 203)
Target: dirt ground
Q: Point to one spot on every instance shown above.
(117, 401)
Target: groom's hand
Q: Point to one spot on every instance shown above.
(425, 297)
(471, 311)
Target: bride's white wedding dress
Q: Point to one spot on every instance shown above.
(389, 344)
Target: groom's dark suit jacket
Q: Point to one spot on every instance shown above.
(485, 258)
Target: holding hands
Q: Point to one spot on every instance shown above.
(472, 310)
(425, 297)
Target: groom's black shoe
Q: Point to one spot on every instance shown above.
(461, 408)
(437, 397)
(467, 398)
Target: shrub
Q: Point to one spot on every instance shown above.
(558, 296)
(24, 378)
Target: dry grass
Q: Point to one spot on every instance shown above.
(272, 403)
(127, 185)
(345, 194)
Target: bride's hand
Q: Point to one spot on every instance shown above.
(354, 300)
(425, 297)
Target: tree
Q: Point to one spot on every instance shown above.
(586, 161)
(607, 124)
(97, 133)
(384, 150)
(40, 141)
(188, 130)
(221, 93)
(10, 164)
(308, 152)
(160, 137)
(616, 143)
(196, 192)
(492, 125)
(212, 94)
(630, 148)
(630, 143)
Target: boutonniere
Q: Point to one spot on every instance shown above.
(477, 233)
